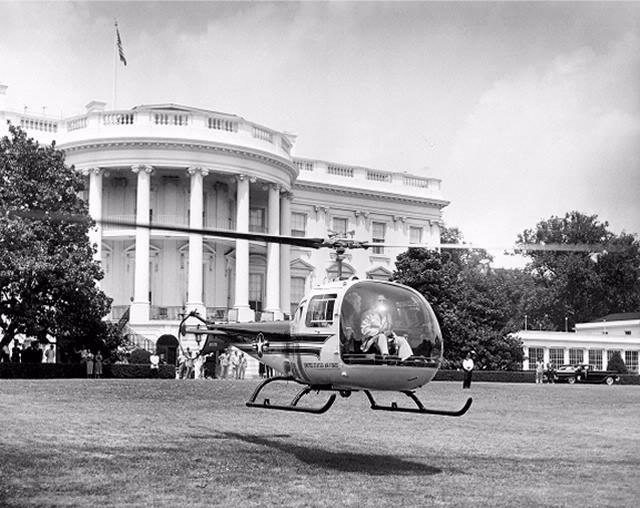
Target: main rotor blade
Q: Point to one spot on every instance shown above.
(295, 241)
(551, 247)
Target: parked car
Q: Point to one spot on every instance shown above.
(585, 373)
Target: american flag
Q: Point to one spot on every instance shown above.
(119, 44)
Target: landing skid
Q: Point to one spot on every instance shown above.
(420, 409)
(293, 405)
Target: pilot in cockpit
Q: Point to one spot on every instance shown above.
(377, 330)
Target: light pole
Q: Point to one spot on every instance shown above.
(566, 324)
(525, 322)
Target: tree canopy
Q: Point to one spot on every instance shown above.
(580, 286)
(47, 272)
(478, 307)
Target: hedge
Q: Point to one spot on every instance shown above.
(515, 376)
(128, 370)
(68, 370)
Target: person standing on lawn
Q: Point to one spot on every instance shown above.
(467, 367)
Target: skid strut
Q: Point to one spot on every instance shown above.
(293, 405)
(420, 409)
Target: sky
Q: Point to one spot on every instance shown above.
(525, 110)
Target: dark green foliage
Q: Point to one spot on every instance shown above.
(47, 272)
(616, 363)
(580, 286)
(78, 370)
(139, 356)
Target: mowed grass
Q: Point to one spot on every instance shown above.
(194, 443)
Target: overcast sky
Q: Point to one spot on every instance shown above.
(525, 110)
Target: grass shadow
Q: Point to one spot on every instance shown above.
(348, 462)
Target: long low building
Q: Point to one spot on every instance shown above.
(593, 342)
(186, 166)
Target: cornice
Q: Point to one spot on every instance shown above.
(366, 193)
(180, 144)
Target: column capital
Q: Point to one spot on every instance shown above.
(399, 218)
(286, 194)
(241, 177)
(192, 170)
(93, 171)
(138, 168)
(364, 215)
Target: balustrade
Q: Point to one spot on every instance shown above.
(78, 123)
(340, 171)
(38, 124)
(263, 134)
(124, 118)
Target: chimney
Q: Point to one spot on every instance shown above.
(95, 106)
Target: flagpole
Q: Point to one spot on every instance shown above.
(115, 63)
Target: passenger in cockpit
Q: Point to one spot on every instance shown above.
(377, 330)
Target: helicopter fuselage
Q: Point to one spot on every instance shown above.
(323, 344)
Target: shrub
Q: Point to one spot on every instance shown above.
(139, 356)
(616, 363)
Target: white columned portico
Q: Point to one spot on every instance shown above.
(95, 209)
(141, 305)
(273, 255)
(285, 253)
(196, 204)
(241, 304)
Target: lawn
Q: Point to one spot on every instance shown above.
(194, 443)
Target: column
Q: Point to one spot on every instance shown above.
(194, 283)
(285, 253)
(273, 255)
(141, 305)
(525, 362)
(95, 209)
(221, 298)
(241, 303)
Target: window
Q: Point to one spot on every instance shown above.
(631, 360)
(299, 224)
(378, 231)
(256, 220)
(576, 356)
(320, 310)
(340, 225)
(297, 292)
(595, 358)
(556, 356)
(256, 286)
(415, 234)
(535, 354)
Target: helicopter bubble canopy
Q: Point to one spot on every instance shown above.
(389, 320)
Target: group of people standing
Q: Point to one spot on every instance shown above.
(32, 353)
(230, 364)
(93, 363)
(541, 371)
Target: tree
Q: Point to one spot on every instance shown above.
(474, 305)
(47, 272)
(581, 285)
(616, 363)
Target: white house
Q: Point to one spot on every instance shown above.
(180, 165)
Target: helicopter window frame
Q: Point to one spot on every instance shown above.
(323, 316)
